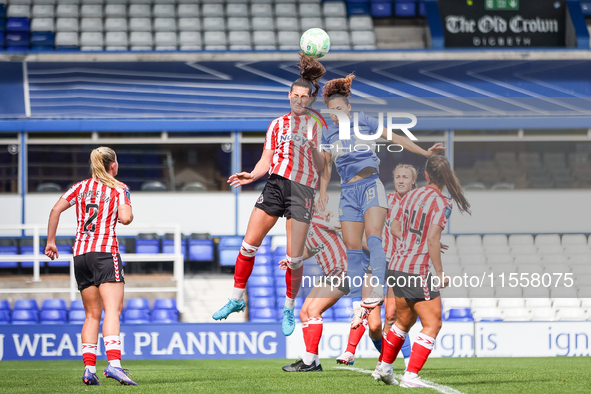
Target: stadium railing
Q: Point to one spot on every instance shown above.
(37, 258)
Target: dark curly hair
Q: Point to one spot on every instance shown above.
(338, 88)
(311, 70)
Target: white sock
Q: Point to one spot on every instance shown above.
(385, 367)
(308, 358)
(238, 294)
(409, 375)
(115, 363)
(91, 368)
(289, 302)
(317, 359)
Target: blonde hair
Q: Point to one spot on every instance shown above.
(412, 170)
(100, 160)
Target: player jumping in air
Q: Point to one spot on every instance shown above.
(419, 221)
(100, 203)
(326, 244)
(294, 164)
(363, 204)
(405, 177)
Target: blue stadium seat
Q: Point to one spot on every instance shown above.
(421, 10)
(76, 316)
(42, 48)
(260, 291)
(147, 243)
(165, 303)
(64, 247)
(262, 270)
(279, 253)
(138, 303)
(264, 315)
(1, 38)
(261, 302)
(4, 317)
(76, 305)
(168, 244)
(54, 304)
(491, 319)
(26, 247)
(201, 247)
(54, 317)
(357, 8)
(586, 8)
(2, 12)
(405, 9)
(280, 290)
(279, 273)
(8, 247)
(137, 316)
(343, 303)
(342, 315)
(328, 315)
(4, 305)
(164, 316)
(260, 281)
(21, 48)
(26, 304)
(25, 316)
(263, 259)
(459, 314)
(42, 39)
(18, 24)
(381, 9)
(229, 247)
(122, 246)
(280, 281)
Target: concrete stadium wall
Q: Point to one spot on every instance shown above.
(523, 211)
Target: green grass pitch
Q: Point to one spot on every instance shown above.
(467, 375)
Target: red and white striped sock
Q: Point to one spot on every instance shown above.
(113, 350)
(89, 356)
(421, 349)
(244, 266)
(392, 345)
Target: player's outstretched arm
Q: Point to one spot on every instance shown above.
(396, 229)
(125, 214)
(434, 244)
(262, 167)
(54, 218)
(407, 144)
(317, 157)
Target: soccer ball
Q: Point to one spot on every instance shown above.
(315, 43)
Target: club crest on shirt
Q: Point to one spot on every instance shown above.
(447, 211)
(260, 200)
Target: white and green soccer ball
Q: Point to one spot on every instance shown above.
(315, 43)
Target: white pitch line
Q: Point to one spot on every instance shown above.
(439, 387)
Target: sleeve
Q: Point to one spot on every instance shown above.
(270, 139)
(399, 210)
(123, 196)
(372, 123)
(70, 195)
(441, 214)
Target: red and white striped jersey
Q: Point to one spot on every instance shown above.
(328, 245)
(97, 214)
(418, 211)
(292, 159)
(390, 242)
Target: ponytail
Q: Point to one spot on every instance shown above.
(311, 70)
(100, 160)
(441, 174)
(413, 171)
(338, 88)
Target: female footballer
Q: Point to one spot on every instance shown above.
(100, 202)
(294, 164)
(419, 221)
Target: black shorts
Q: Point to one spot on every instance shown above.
(412, 287)
(282, 197)
(337, 279)
(95, 268)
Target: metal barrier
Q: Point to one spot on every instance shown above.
(176, 257)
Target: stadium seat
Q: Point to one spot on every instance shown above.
(188, 10)
(4, 305)
(214, 24)
(405, 9)
(201, 247)
(261, 302)
(138, 303)
(547, 240)
(66, 39)
(262, 270)
(54, 304)
(571, 314)
(140, 24)
(137, 316)
(381, 9)
(64, 248)
(239, 40)
(139, 11)
(238, 24)
(311, 22)
(459, 314)
(67, 25)
(574, 239)
(521, 239)
(8, 247)
(26, 304)
(472, 259)
(260, 281)
(215, 40)
(76, 316)
(165, 24)
(42, 24)
(18, 11)
(494, 240)
(573, 250)
(18, 25)
(168, 243)
(361, 22)
(76, 305)
(42, 39)
(285, 9)
(228, 248)
(340, 39)
(516, 314)
(5, 317)
(53, 316)
(260, 291)
(42, 11)
(288, 40)
(91, 41)
(116, 25)
(164, 316)
(261, 10)
(264, 40)
(523, 250)
(332, 8)
(264, 315)
(22, 316)
(342, 315)
(115, 10)
(147, 243)
(189, 40)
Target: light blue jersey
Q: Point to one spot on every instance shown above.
(354, 154)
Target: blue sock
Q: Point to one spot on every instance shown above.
(406, 348)
(377, 257)
(377, 344)
(354, 269)
(365, 259)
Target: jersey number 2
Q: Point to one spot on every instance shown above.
(89, 225)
